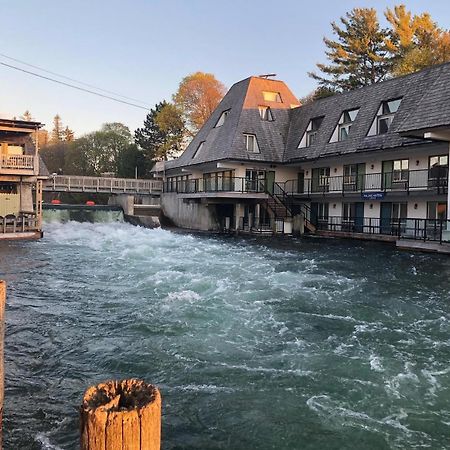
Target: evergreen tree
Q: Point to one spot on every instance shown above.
(162, 134)
(57, 132)
(68, 135)
(26, 116)
(415, 41)
(359, 56)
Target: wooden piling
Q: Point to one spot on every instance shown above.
(2, 369)
(119, 415)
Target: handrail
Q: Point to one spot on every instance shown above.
(405, 228)
(17, 162)
(75, 183)
(219, 184)
(370, 182)
(21, 223)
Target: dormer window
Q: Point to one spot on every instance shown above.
(199, 149)
(385, 116)
(310, 135)
(222, 118)
(344, 125)
(251, 143)
(272, 97)
(266, 113)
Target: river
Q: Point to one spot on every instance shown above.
(255, 344)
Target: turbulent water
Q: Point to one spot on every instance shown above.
(314, 344)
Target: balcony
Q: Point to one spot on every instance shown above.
(18, 165)
(416, 229)
(432, 180)
(217, 185)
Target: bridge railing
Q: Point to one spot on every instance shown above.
(72, 183)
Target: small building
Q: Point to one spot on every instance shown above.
(20, 180)
(369, 163)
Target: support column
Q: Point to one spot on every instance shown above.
(125, 201)
(238, 213)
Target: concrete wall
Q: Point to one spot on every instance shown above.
(190, 214)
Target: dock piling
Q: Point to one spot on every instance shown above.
(121, 415)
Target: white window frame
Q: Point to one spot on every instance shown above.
(198, 150)
(222, 118)
(265, 112)
(251, 143)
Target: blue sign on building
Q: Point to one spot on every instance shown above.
(372, 195)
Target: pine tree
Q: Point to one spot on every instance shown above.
(415, 42)
(57, 132)
(359, 56)
(68, 135)
(26, 116)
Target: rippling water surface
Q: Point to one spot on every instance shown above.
(317, 344)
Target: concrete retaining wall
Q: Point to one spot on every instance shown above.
(189, 213)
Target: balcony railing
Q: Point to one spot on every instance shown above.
(403, 181)
(418, 229)
(219, 184)
(21, 223)
(17, 162)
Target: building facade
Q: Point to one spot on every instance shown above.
(372, 162)
(20, 182)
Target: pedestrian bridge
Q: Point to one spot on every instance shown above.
(75, 183)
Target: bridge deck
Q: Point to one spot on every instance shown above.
(73, 183)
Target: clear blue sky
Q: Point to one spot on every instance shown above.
(143, 48)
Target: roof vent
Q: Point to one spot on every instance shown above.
(267, 75)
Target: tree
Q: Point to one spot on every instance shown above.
(359, 56)
(319, 92)
(54, 157)
(130, 161)
(162, 134)
(57, 132)
(27, 116)
(197, 96)
(415, 42)
(68, 135)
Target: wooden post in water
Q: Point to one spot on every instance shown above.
(2, 369)
(120, 415)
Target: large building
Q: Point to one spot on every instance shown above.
(373, 161)
(20, 181)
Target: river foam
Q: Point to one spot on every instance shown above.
(322, 342)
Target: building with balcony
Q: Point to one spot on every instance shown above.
(20, 181)
(372, 162)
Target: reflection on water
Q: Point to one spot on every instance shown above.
(315, 344)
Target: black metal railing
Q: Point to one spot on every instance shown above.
(403, 181)
(417, 229)
(262, 225)
(216, 184)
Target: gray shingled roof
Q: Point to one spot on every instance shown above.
(433, 109)
(425, 103)
(411, 88)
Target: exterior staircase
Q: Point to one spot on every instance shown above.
(285, 206)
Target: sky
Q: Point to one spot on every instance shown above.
(143, 48)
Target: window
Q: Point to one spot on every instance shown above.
(199, 149)
(400, 170)
(438, 171)
(272, 96)
(222, 118)
(345, 123)
(321, 179)
(385, 116)
(266, 113)
(322, 212)
(251, 143)
(310, 136)
(437, 210)
(399, 211)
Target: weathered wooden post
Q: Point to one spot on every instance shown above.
(2, 371)
(120, 415)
